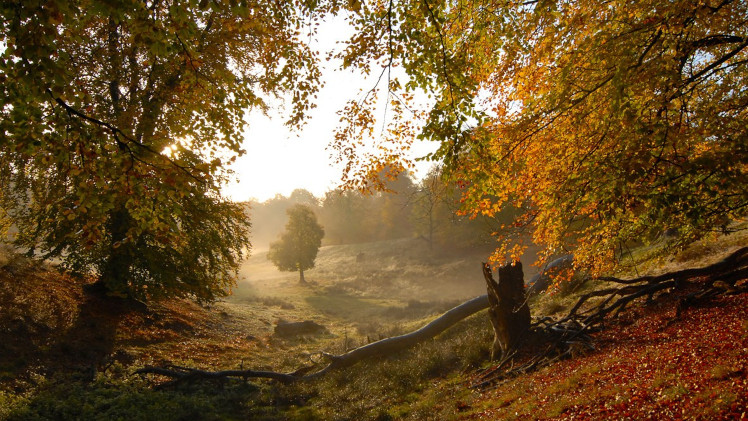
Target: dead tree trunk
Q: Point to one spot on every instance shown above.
(517, 323)
(509, 312)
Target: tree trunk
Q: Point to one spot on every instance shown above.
(509, 312)
(301, 276)
(114, 274)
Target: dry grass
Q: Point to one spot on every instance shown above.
(402, 269)
(397, 287)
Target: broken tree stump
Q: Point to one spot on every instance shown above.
(509, 312)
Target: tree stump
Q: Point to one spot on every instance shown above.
(509, 312)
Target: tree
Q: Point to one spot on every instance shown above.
(269, 217)
(509, 311)
(304, 197)
(607, 124)
(118, 120)
(348, 217)
(370, 215)
(298, 245)
(393, 204)
(430, 194)
(438, 220)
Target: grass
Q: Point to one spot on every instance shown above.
(724, 372)
(397, 288)
(657, 258)
(108, 399)
(234, 333)
(401, 386)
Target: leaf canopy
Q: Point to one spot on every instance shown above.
(118, 120)
(608, 123)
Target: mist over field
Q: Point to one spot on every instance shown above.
(403, 244)
(388, 263)
(604, 148)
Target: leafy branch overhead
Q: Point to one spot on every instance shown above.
(595, 126)
(606, 124)
(118, 123)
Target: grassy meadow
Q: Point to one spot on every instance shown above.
(67, 355)
(359, 293)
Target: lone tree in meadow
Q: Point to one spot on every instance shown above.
(298, 245)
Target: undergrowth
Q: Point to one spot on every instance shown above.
(400, 386)
(126, 399)
(430, 381)
(397, 387)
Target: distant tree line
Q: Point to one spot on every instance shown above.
(425, 209)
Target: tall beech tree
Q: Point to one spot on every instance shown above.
(297, 248)
(606, 122)
(117, 122)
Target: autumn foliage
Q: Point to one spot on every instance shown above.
(607, 123)
(604, 124)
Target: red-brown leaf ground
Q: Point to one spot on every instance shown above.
(649, 363)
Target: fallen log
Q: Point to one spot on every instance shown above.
(380, 348)
(388, 346)
(184, 374)
(569, 330)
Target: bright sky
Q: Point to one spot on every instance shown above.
(279, 160)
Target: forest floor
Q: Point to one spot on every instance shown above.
(69, 354)
(653, 362)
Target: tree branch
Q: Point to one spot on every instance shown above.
(117, 133)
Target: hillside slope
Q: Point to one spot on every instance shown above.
(656, 361)
(67, 352)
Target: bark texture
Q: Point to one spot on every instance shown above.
(509, 312)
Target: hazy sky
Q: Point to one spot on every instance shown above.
(279, 160)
